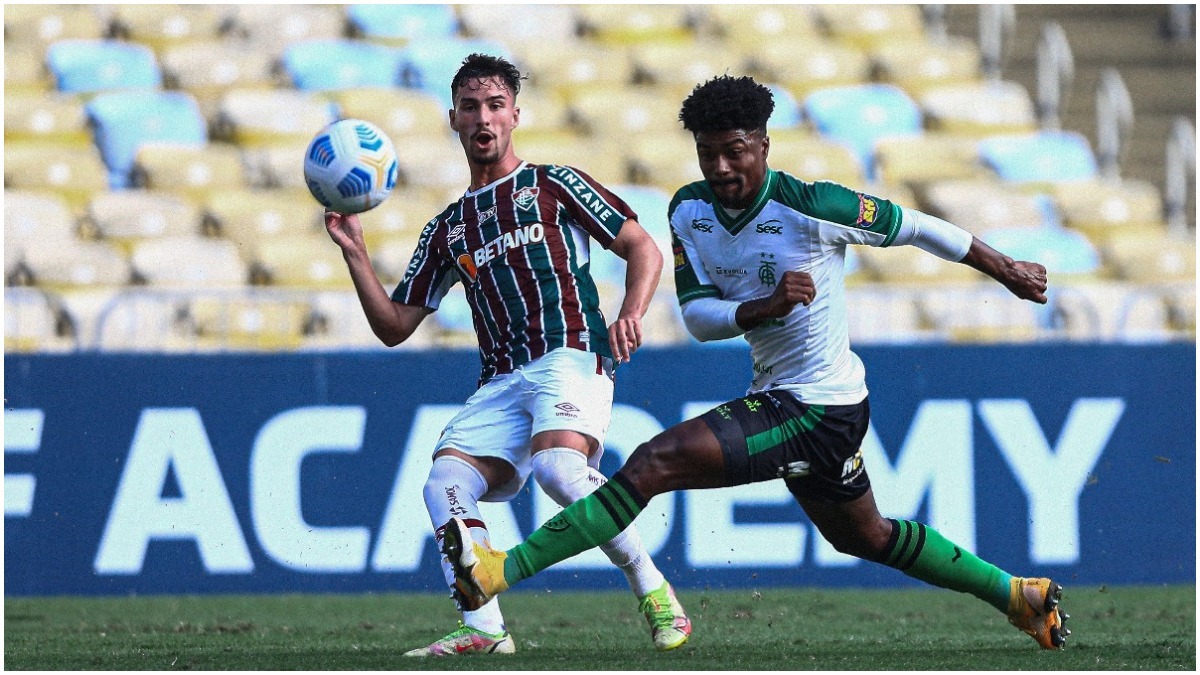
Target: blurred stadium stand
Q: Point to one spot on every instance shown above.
(154, 197)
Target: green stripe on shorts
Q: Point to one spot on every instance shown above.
(784, 432)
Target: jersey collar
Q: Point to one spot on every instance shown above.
(732, 224)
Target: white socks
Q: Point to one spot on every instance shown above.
(453, 489)
(565, 476)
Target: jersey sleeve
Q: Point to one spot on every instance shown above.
(600, 212)
(691, 279)
(428, 277)
(852, 217)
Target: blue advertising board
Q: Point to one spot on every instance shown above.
(303, 473)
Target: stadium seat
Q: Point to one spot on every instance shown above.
(252, 117)
(981, 314)
(429, 64)
(663, 159)
(249, 217)
(257, 321)
(189, 262)
(1148, 259)
(860, 115)
(651, 205)
(787, 113)
(822, 63)
(390, 256)
(740, 24)
(542, 112)
(981, 109)
(34, 25)
(271, 27)
(45, 117)
(881, 315)
(1040, 158)
(33, 322)
(917, 66)
(662, 324)
(311, 262)
(124, 217)
(74, 173)
(88, 66)
(79, 263)
(813, 158)
(33, 220)
(923, 158)
(618, 111)
(979, 205)
(604, 159)
(1101, 208)
(192, 171)
(520, 24)
(322, 65)
(571, 69)
(402, 217)
(124, 121)
(339, 324)
(162, 26)
(25, 71)
(207, 69)
(276, 165)
(1063, 252)
(909, 265)
(635, 24)
(397, 25)
(865, 26)
(676, 68)
(435, 162)
(401, 113)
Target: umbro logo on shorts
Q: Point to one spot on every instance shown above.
(568, 409)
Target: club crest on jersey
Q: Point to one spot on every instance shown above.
(868, 210)
(525, 197)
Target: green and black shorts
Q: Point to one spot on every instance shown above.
(814, 448)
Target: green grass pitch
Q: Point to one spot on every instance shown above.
(1130, 628)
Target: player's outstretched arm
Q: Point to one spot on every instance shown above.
(1026, 280)
(643, 267)
(391, 322)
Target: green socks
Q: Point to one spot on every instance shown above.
(587, 523)
(923, 553)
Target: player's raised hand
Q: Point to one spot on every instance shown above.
(625, 336)
(345, 230)
(1026, 280)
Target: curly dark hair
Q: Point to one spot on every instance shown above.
(479, 66)
(725, 103)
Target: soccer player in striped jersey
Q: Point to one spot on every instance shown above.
(760, 253)
(519, 243)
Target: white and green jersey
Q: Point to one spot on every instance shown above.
(792, 225)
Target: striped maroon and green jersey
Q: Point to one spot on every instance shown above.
(520, 247)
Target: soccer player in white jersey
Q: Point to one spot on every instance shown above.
(518, 241)
(760, 253)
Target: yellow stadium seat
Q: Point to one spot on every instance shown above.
(273, 26)
(163, 26)
(124, 217)
(927, 157)
(676, 68)
(207, 69)
(263, 321)
(909, 265)
(666, 160)
(632, 24)
(310, 262)
(340, 323)
(571, 69)
(619, 111)
(1146, 257)
(276, 166)
(403, 215)
(249, 217)
(1102, 208)
(919, 66)
(42, 23)
(34, 322)
(739, 24)
(251, 117)
(542, 112)
(189, 262)
(544, 24)
(601, 158)
(434, 162)
(814, 158)
(390, 257)
(401, 113)
(76, 173)
(189, 171)
(36, 219)
(864, 26)
(980, 109)
(981, 204)
(25, 70)
(45, 117)
(79, 263)
(819, 64)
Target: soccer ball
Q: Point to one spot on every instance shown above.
(350, 166)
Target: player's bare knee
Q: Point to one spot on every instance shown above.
(654, 467)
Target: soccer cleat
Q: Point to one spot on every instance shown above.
(669, 626)
(1033, 607)
(478, 568)
(467, 640)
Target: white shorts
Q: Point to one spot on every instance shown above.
(567, 389)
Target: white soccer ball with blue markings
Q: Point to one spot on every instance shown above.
(350, 166)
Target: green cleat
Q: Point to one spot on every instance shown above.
(669, 626)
